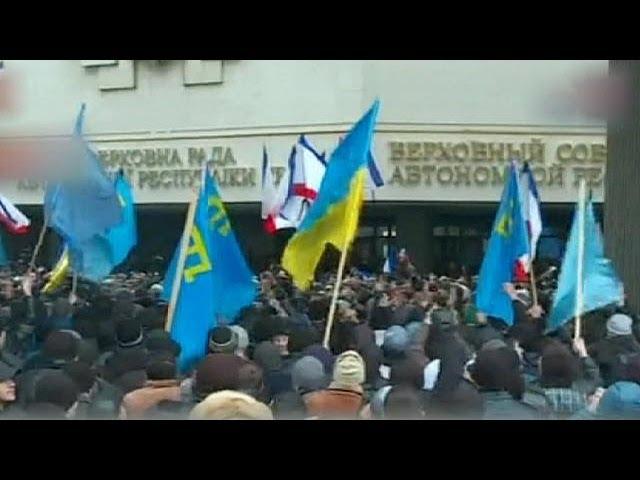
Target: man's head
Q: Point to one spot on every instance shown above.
(218, 371)
(349, 370)
(222, 339)
(61, 346)
(558, 367)
(129, 332)
(7, 386)
(56, 388)
(308, 375)
(280, 335)
(395, 343)
(498, 370)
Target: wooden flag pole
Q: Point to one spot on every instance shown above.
(184, 245)
(580, 269)
(334, 297)
(534, 289)
(74, 283)
(353, 210)
(36, 250)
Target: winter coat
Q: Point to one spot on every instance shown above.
(335, 403)
(502, 406)
(289, 406)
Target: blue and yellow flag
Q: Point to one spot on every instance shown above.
(600, 283)
(216, 281)
(508, 242)
(333, 217)
(59, 272)
(124, 236)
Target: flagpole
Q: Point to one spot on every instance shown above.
(184, 245)
(580, 269)
(336, 288)
(527, 197)
(336, 291)
(534, 290)
(36, 250)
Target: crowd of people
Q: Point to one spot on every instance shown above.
(403, 346)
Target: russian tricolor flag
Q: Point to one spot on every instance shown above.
(530, 208)
(13, 219)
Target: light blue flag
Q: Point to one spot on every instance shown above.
(508, 242)
(4, 260)
(601, 285)
(83, 209)
(217, 282)
(124, 236)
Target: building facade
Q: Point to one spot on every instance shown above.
(445, 134)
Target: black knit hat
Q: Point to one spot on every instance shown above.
(161, 369)
(130, 381)
(498, 370)
(122, 310)
(56, 388)
(161, 341)
(60, 345)
(152, 318)
(129, 332)
(301, 338)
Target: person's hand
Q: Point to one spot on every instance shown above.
(510, 289)
(536, 312)
(27, 283)
(73, 298)
(579, 347)
(594, 400)
(384, 301)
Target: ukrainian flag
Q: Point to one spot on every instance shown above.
(59, 272)
(333, 217)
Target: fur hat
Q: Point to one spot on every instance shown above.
(229, 405)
